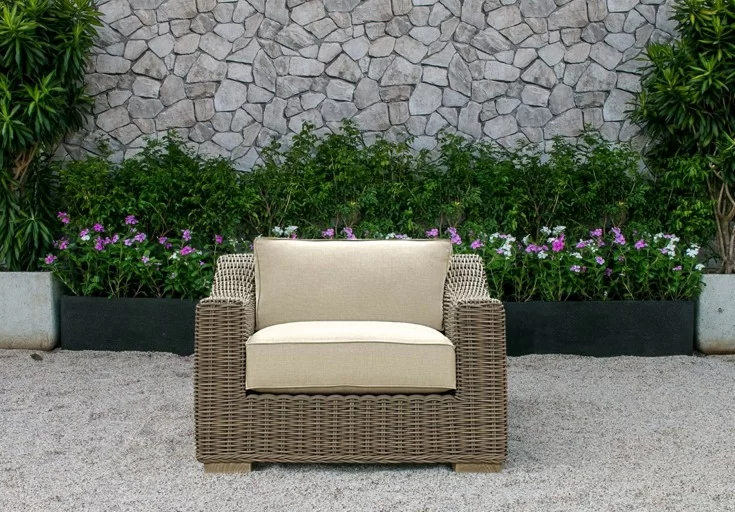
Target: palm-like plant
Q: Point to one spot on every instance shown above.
(44, 45)
(687, 104)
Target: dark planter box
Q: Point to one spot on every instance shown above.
(601, 329)
(158, 325)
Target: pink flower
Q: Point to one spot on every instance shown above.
(84, 234)
(140, 237)
(453, 236)
(619, 238)
(62, 244)
(115, 238)
(186, 235)
(582, 244)
(558, 244)
(218, 239)
(596, 232)
(162, 240)
(98, 244)
(432, 233)
(640, 244)
(186, 250)
(128, 242)
(201, 263)
(63, 217)
(608, 272)
(98, 228)
(600, 260)
(145, 259)
(49, 260)
(130, 219)
(575, 268)
(328, 233)
(477, 244)
(677, 268)
(168, 245)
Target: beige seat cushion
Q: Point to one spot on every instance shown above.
(349, 357)
(380, 280)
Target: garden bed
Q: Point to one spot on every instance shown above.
(141, 324)
(601, 328)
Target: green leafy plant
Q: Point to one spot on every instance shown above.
(687, 105)
(166, 186)
(44, 45)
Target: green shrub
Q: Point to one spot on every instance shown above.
(167, 187)
(44, 46)
(687, 106)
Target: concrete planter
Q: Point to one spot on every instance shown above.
(145, 325)
(716, 315)
(600, 329)
(29, 310)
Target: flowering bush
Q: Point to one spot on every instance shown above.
(602, 265)
(125, 262)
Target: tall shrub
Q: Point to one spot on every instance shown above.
(44, 46)
(687, 104)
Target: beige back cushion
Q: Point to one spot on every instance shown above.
(381, 280)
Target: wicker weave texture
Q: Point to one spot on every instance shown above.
(466, 426)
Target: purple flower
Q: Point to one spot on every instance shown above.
(201, 263)
(453, 236)
(596, 232)
(130, 219)
(328, 233)
(575, 268)
(619, 238)
(477, 244)
(63, 217)
(186, 235)
(558, 244)
(600, 260)
(432, 233)
(608, 272)
(145, 259)
(640, 244)
(49, 259)
(186, 250)
(677, 268)
(162, 240)
(348, 233)
(582, 244)
(98, 228)
(115, 238)
(140, 237)
(532, 248)
(84, 234)
(218, 239)
(168, 245)
(98, 244)
(107, 240)
(62, 244)
(128, 242)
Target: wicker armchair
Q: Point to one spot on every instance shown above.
(236, 427)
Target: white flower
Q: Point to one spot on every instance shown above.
(290, 230)
(550, 240)
(577, 255)
(698, 267)
(542, 255)
(277, 231)
(693, 251)
(510, 240)
(85, 237)
(657, 237)
(559, 229)
(390, 235)
(174, 256)
(545, 230)
(525, 239)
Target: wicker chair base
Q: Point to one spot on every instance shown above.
(477, 468)
(228, 467)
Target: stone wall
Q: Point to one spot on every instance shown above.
(232, 74)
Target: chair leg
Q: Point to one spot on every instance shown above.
(228, 467)
(477, 468)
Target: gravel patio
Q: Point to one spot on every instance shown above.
(100, 431)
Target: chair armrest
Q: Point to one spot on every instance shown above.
(475, 323)
(223, 325)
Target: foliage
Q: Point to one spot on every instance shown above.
(44, 45)
(601, 265)
(687, 104)
(165, 186)
(26, 217)
(340, 180)
(126, 262)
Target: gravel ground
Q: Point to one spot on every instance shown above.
(103, 431)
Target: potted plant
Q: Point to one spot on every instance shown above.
(687, 107)
(139, 244)
(44, 47)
